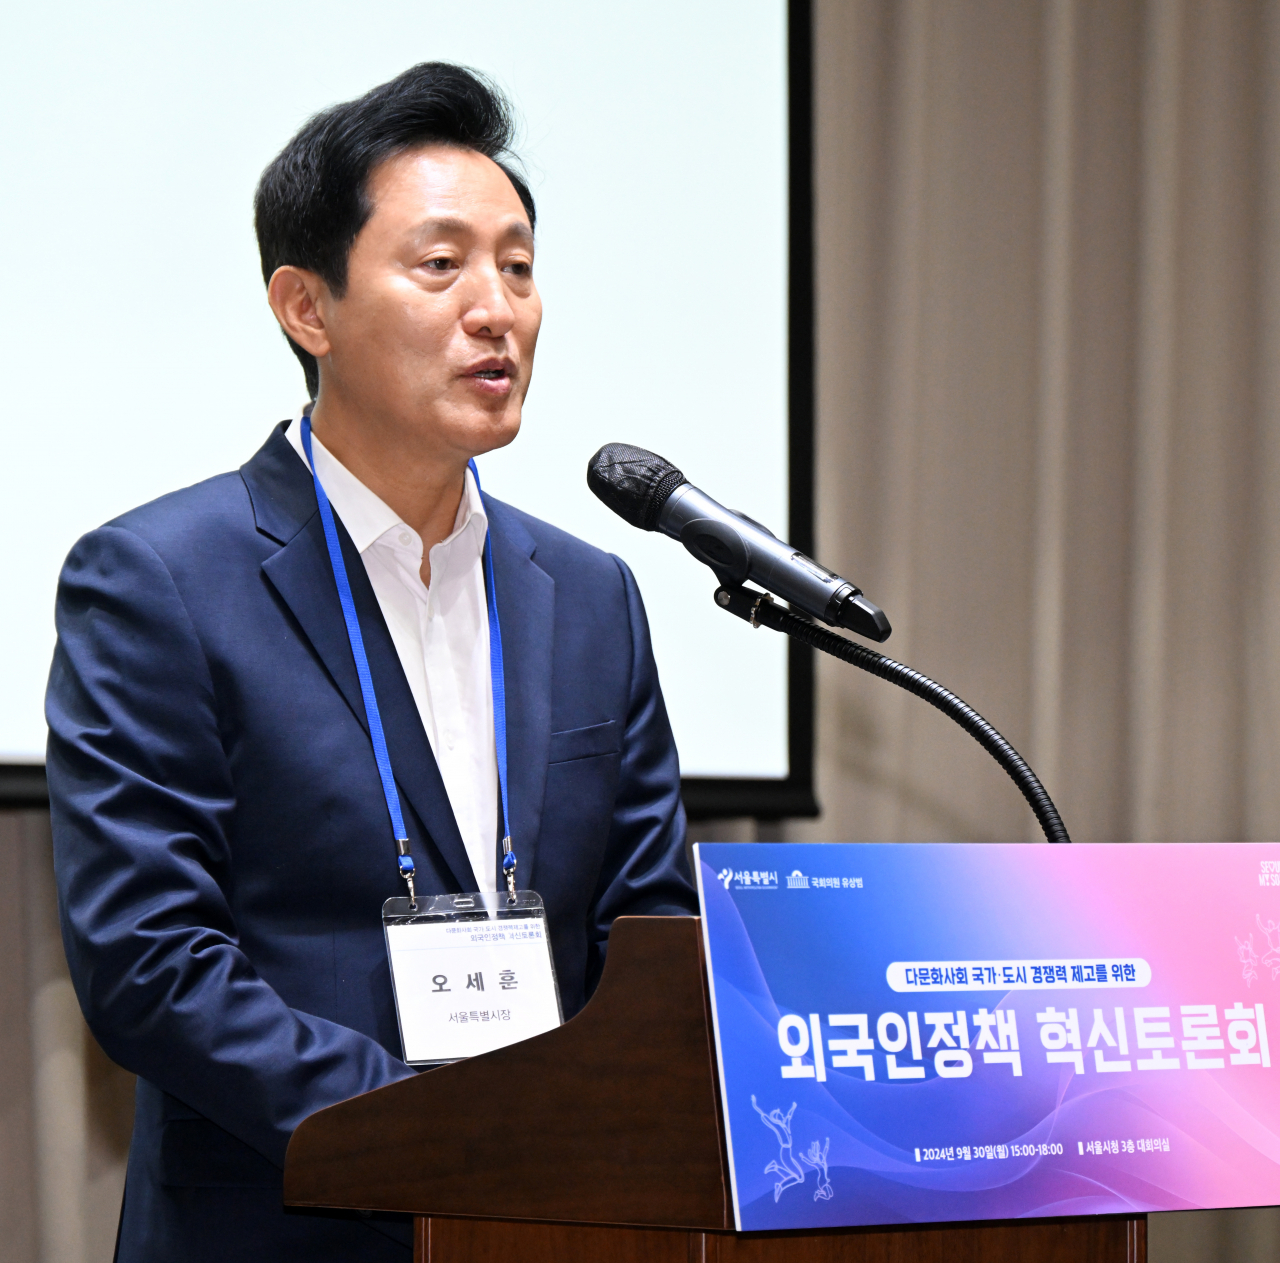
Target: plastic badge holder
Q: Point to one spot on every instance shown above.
(470, 973)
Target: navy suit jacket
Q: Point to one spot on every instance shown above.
(222, 842)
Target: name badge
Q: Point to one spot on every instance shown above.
(470, 973)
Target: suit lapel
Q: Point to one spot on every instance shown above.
(281, 491)
(526, 614)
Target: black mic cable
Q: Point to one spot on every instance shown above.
(639, 486)
(758, 609)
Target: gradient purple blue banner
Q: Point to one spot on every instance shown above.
(916, 1033)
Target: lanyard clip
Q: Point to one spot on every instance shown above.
(405, 861)
(509, 868)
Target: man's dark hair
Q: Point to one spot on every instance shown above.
(313, 199)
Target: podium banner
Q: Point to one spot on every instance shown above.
(911, 1033)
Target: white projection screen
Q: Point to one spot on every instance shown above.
(140, 355)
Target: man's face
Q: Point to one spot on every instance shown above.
(437, 328)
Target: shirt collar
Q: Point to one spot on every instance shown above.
(367, 516)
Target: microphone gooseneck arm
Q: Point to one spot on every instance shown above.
(758, 609)
(650, 493)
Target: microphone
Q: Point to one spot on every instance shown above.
(651, 493)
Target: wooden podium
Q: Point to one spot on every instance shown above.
(601, 1141)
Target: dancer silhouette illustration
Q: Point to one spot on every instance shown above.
(785, 1166)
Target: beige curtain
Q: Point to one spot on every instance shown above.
(65, 1110)
(1049, 316)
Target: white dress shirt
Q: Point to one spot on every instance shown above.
(441, 634)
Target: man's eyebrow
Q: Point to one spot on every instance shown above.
(449, 223)
(443, 223)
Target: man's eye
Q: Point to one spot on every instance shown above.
(439, 265)
(520, 269)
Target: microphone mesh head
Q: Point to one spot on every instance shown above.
(634, 483)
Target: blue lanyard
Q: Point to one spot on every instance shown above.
(376, 735)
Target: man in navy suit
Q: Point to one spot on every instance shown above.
(222, 839)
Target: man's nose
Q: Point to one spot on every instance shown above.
(488, 311)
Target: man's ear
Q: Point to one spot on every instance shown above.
(298, 297)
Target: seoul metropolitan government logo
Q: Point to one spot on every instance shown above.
(748, 879)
